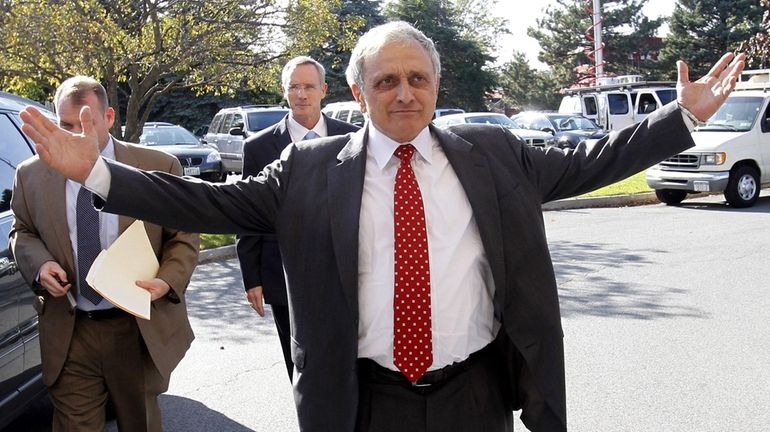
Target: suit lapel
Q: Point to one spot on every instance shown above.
(57, 205)
(281, 135)
(345, 189)
(124, 155)
(473, 171)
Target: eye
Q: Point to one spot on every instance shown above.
(386, 83)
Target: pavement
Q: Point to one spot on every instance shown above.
(646, 198)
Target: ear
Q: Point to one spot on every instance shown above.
(109, 117)
(324, 88)
(358, 95)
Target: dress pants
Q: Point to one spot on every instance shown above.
(473, 400)
(107, 359)
(281, 317)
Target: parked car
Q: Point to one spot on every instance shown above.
(20, 366)
(231, 126)
(197, 159)
(567, 129)
(346, 111)
(440, 112)
(532, 137)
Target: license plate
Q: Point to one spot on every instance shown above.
(192, 171)
(701, 186)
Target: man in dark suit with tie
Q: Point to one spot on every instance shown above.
(421, 290)
(91, 350)
(303, 82)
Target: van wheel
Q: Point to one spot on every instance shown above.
(743, 187)
(671, 197)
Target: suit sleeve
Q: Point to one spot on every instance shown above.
(29, 251)
(557, 174)
(179, 252)
(249, 247)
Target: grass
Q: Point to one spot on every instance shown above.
(210, 241)
(631, 185)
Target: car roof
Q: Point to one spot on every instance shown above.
(12, 102)
(251, 108)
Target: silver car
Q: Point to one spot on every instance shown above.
(532, 137)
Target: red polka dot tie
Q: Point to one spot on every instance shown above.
(412, 339)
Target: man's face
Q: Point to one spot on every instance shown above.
(304, 92)
(69, 117)
(400, 90)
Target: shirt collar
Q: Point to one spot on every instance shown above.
(109, 150)
(297, 130)
(382, 147)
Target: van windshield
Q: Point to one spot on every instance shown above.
(666, 96)
(738, 114)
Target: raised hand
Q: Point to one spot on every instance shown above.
(704, 96)
(72, 154)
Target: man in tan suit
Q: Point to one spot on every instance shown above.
(92, 351)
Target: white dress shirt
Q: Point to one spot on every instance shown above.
(298, 132)
(461, 280)
(108, 229)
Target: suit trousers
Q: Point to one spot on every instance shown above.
(107, 359)
(281, 317)
(474, 400)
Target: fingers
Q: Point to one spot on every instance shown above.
(256, 300)
(86, 120)
(682, 73)
(720, 66)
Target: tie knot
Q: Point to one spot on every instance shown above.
(310, 135)
(405, 153)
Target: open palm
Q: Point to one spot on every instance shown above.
(704, 96)
(73, 155)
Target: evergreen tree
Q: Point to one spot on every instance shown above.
(565, 35)
(703, 30)
(525, 88)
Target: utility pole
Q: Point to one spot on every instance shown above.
(598, 51)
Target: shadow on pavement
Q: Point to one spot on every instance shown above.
(585, 277)
(761, 206)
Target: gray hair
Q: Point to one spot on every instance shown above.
(77, 88)
(289, 67)
(395, 32)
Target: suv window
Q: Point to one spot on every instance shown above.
(216, 123)
(357, 118)
(227, 123)
(13, 150)
(263, 119)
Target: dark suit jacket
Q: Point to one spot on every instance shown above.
(259, 255)
(312, 197)
(40, 233)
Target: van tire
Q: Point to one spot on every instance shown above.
(743, 187)
(672, 197)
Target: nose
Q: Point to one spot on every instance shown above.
(405, 94)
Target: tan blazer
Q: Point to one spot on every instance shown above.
(40, 234)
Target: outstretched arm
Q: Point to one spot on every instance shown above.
(704, 96)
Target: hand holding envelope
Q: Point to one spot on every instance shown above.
(115, 271)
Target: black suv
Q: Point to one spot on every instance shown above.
(20, 371)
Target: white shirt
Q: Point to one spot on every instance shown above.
(108, 229)
(298, 132)
(462, 288)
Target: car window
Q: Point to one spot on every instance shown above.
(342, 115)
(618, 103)
(216, 123)
(666, 96)
(13, 150)
(262, 119)
(647, 103)
(237, 121)
(590, 103)
(227, 122)
(357, 118)
(167, 136)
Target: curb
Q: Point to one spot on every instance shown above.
(644, 198)
(226, 252)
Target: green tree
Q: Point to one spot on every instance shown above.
(355, 17)
(703, 30)
(758, 46)
(565, 35)
(465, 73)
(525, 88)
(141, 50)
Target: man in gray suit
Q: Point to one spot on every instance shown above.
(472, 330)
(303, 82)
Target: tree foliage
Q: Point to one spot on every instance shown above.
(466, 76)
(354, 18)
(525, 88)
(703, 30)
(565, 36)
(758, 46)
(142, 49)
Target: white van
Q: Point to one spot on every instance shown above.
(731, 153)
(349, 112)
(619, 101)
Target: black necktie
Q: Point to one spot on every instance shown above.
(89, 245)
